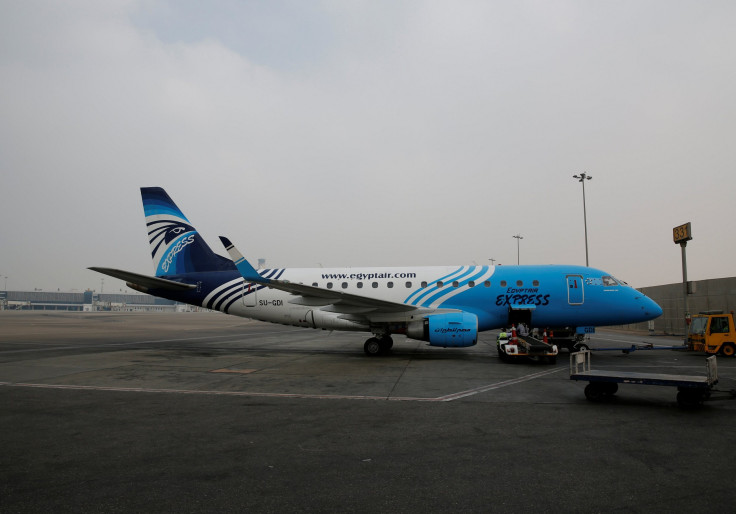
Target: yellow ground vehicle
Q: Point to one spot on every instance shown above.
(712, 332)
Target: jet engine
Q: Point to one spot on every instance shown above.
(450, 329)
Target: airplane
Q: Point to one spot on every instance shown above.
(446, 306)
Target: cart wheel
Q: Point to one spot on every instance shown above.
(594, 392)
(689, 399)
(728, 350)
(581, 346)
(609, 388)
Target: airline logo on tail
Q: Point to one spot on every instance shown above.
(174, 251)
(169, 233)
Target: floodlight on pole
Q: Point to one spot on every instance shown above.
(517, 237)
(582, 178)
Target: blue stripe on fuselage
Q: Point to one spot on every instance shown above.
(461, 283)
(432, 286)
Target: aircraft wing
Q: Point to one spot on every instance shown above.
(337, 300)
(144, 280)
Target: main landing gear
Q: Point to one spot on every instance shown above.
(378, 345)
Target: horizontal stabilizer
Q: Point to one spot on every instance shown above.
(144, 280)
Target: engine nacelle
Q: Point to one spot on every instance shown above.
(451, 329)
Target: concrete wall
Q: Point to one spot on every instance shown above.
(714, 294)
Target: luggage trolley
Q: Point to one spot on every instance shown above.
(692, 390)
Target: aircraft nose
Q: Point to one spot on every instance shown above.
(649, 308)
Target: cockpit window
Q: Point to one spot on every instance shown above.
(621, 282)
(609, 281)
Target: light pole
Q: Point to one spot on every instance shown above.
(582, 178)
(681, 235)
(517, 237)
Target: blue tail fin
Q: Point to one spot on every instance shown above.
(176, 246)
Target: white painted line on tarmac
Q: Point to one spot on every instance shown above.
(446, 398)
(208, 392)
(499, 385)
(225, 338)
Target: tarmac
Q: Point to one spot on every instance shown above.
(202, 412)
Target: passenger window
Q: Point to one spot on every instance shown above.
(519, 283)
(315, 284)
(344, 285)
(439, 283)
(455, 284)
(390, 285)
(329, 285)
(424, 283)
(374, 285)
(408, 284)
(535, 283)
(471, 284)
(360, 285)
(503, 283)
(487, 283)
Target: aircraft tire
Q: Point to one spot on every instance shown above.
(728, 350)
(386, 343)
(581, 346)
(373, 347)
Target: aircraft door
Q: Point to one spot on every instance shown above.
(518, 316)
(249, 294)
(575, 293)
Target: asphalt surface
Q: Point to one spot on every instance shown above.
(205, 412)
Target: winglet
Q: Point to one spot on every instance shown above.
(245, 268)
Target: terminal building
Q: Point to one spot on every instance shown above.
(88, 301)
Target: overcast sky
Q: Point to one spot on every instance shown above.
(362, 133)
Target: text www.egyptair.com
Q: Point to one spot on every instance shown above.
(365, 276)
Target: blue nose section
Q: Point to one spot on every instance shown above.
(650, 309)
(656, 309)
